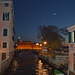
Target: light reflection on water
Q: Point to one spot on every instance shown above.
(15, 65)
(28, 63)
(43, 69)
(40, 69)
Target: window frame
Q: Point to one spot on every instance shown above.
(2, 44)
(6, 34)
(6, 4)
(5, 16)
(3, 58)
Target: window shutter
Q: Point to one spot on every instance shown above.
(74, 36)
(69, 37)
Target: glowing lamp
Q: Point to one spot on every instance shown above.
(45, 42)
(37, 43)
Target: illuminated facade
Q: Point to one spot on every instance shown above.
(71, 31)
(7, 33)
(27, 45)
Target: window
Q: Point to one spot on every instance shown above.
(73, 36)
(6, 4)
(12, 11)
(69, 35)
(4, 32)
(13, 38)
(5, 16)
(3, 56)
(4, 44)
(13, 29)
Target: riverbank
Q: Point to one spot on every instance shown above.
(59, 64)
(30, 50)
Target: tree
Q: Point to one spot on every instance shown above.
(53, 35)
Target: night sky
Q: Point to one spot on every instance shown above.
(29, 14)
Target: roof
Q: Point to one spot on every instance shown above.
(71, 26)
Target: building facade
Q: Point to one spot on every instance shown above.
(27, 45)
(7, 33)
(71, 31)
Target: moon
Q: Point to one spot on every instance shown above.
(54, 14)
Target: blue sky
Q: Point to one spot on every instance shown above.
(29, 14)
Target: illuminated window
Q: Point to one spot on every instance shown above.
(5, 16)
(72, 36)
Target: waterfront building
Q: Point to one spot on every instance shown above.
(27, 45)
(71, 31)
(7, 33)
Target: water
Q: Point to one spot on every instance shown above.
(28, 63)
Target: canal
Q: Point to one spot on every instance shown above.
(28, 63)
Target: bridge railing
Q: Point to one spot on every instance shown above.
(4, 64)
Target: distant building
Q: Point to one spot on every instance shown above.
(7, 33)
(27, 45)
(37, 46)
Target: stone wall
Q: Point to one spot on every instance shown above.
(61, 60)
(58, 61)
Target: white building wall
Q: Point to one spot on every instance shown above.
(6, 25)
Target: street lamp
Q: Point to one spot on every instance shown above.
(45, 42)
(41, 45)
(44, 47)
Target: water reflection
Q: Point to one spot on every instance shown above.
(40, 69)
(15, 65)
(43, 69)
(28, 63)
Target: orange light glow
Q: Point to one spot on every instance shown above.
(45, 42)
